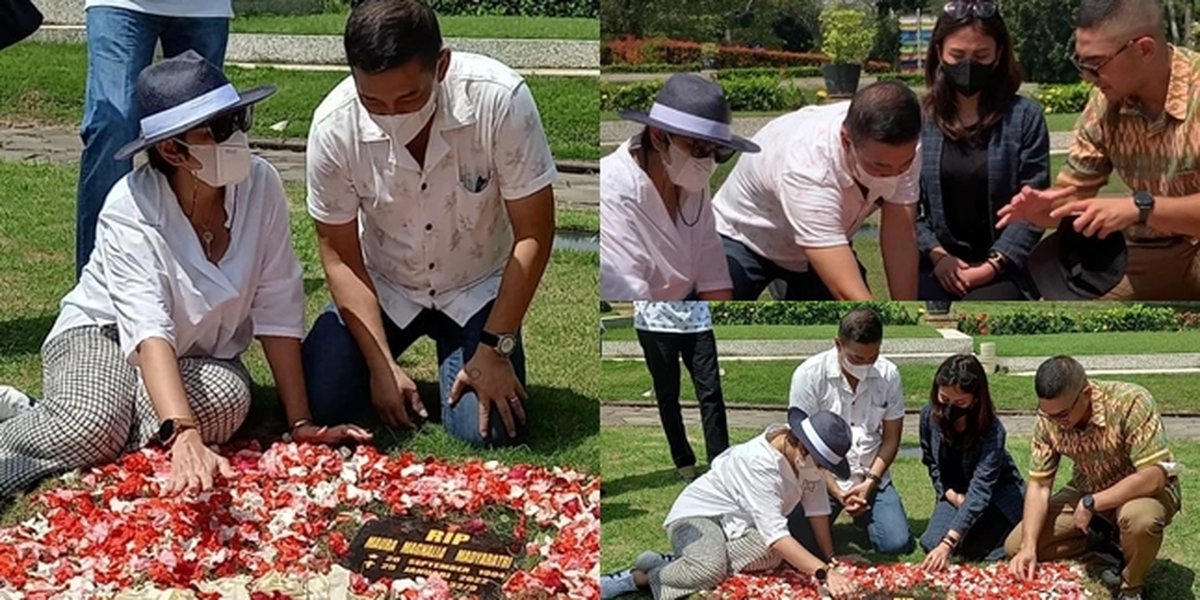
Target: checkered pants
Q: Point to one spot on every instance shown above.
(704, 558)
(96, 408)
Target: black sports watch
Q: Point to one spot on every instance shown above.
(1089, 502)
(821, 575)
(1145, 204)
(171, 428)
(504, 344)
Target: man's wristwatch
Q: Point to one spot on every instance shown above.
(873, 477)
(1089, 502)
(1145, 204)
(504, 344)
(171, 428)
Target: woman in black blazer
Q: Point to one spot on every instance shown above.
(981, 144)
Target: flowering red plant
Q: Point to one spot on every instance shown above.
(284, 515)
(1054, 581)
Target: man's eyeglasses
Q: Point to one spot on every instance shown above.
(1093, 66)
(960, 9)
(1061, 415)
(701, 150)
(224, 126)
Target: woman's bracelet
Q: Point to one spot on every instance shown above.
(298, 424)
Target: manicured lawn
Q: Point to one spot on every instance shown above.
(640, 487)
(1061, 121)
(768, 382)
(784, 332)
(465, 26)
(44, 83)
(577, 220)
(1108, 342)
(37, 207)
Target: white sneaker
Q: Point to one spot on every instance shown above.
(617, 584)
(651, 560)
(12, 402)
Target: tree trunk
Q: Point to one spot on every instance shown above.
(1173, 22)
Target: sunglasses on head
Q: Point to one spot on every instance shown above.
(224, 126)
(701, 150)
(961, 9)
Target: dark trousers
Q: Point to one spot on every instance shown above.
(699, 354)
(1000, 288)
(983, 542)
(752, 274)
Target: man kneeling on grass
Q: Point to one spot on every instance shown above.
(735, 517)
(1124, 474)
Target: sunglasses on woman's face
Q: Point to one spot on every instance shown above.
(224, 126)
(702, 150)
(960, 9)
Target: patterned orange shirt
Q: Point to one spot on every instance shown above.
(1160, 156)
(1124, 435)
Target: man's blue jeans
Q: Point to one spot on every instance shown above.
(886, 523)
(339, 381)
(120, 43)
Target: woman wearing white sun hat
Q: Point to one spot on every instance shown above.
(734, 518)
(193, 259)
(658, 237)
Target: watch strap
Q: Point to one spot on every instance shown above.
(488, 338)
(1145, 204)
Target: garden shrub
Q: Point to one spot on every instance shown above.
(804, 313)
(847, 35)
(526, 8)
(1134, 317)
(1063, 98)
(761, 93)
(913, 79)
(656, 51)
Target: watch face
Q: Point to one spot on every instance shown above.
(166, 430)
(1143, 200)
(507, 344)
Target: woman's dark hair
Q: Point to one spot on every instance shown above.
(385, 34)
(941, 101)
(964, 372)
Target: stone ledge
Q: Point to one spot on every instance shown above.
(328, 50)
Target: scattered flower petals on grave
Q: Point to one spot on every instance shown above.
(1054, 581)
(275, 527)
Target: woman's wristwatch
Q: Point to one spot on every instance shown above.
(170, 429)
(998, 261)
(821, 575)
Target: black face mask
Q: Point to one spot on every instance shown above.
(969, 77)
(955, 413)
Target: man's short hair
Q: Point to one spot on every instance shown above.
(861, 326)
(886, 112)
(385, 34)
(1144, 17)
(1057, 376)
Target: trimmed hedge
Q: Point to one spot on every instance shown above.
(588, 9)
(1135, 317)
(759, 93)
(1064, 98)
(525, 8)
(654, 51)
(804, 313)
(912, 79)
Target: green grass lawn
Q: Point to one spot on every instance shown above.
(640, 487)
(1108, 342)
(768, 382)
(37, 207)
(1061, 121)
(44, 83)
(783, 332)
(585, 221)
(452, 26)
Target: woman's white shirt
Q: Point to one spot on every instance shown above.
(149, 275)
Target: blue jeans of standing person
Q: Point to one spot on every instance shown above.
(886, 523)
(339, 381)
(120, 43)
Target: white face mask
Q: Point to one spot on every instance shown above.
(879, 187)
(859, 372)
(404, 128)
(690, 173)
(223, 164)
